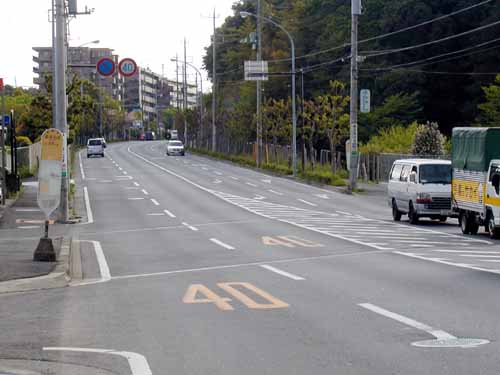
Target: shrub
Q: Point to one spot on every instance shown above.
(428, 140)
(23, 141)
(396, 139)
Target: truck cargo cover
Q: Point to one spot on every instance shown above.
(474, 148)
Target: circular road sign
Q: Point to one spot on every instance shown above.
(127, 67)
(106, 67)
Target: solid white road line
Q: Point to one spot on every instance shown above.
(281, 272)
(29, 227)
(467, 251)
(157, 214)
(322, 196)
(145, 192)
(234, 178)
(81, 165)
(308, 203)
(136, 199)
(138, 363)
(90, 216)
(220, 243)
(132, 188)
(250, 184)
(101, 260)
(213, 268)
(437, 333)
(27, 210)
(136, 183)
(169, 213)
(275, 192)
(479, 256)
(155, 202)
(190, 227)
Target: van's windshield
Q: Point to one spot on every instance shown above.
(95, 142)
(435, 174)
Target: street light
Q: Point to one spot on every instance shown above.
(201, 85)
(85, 44)
(294, 112)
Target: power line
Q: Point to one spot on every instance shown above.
(387, 34)
(449, 73)
(454, 36)
(394, 67)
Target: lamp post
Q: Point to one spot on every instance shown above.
(294, 111)
(201, 84)
(86, 44)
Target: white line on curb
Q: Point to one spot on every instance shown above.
(281, 272)
(308, 203)
(169, 213)
(90, 216)
(220, 243)
(190, 227)
(155, 202)
(137, 362)
(81, 165)
(437, 333)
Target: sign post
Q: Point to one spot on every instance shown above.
(49, 187)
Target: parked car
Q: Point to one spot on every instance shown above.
(175, 148)
(150, 136)
(95, 147)
(476, 179)
(420, 188)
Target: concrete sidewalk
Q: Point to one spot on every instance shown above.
(20, 231)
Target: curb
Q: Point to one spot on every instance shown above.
(58, 278)
(8, 204)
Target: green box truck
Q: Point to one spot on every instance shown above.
(476, 179)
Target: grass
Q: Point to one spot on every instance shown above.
(25, 172)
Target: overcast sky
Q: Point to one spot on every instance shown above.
(149, 31)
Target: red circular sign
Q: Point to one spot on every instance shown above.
(106, 67)
(127, 67)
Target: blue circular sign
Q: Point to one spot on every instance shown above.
(106, 67)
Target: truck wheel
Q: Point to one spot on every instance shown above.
(443, 219)
(412, 215)
(494, 231)
(396, 214)
(464, 222)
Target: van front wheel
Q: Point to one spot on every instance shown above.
(494, 231)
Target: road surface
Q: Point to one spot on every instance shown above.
(202, 267)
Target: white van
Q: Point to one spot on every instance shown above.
(420, 188)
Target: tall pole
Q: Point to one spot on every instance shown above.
(2, 149)
(177, 81)
(353, 171)
(258, 151)
(294, 113)
(185, 96)
(214, 85)
(54, 96)
(61, 109)
(303, 143)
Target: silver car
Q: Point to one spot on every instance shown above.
(95, 146)
(175, 148)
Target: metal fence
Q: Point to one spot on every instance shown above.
(27, 156)
(376, 167)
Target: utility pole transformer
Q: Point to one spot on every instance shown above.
(353, 172)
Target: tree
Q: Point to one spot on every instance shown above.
(490, 109)
(396, 139)
(333, 117)
(428, 140)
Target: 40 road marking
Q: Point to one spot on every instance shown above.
(196, 290)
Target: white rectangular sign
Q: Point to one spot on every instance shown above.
(256, 71)
(364, 99)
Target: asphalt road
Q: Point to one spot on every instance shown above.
(202, 267)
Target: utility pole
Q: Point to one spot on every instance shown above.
(177, 82)
(185, 96)
(61, 104)
(2, 149)
(54, 96)
(353, 172)
(214, 85)
(258, 152)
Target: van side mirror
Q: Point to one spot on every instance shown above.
(496, 183)
(413, 177)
